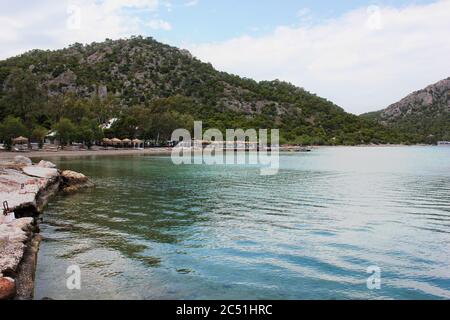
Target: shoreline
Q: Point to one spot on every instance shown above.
(8, 155)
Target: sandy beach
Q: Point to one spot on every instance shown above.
(66, 153)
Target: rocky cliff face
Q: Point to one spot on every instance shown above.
(424, 114)
(433, 101)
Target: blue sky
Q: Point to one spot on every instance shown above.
(362, 55)
(219, 20)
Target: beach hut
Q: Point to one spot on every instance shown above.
(20, 140)
(21, 143)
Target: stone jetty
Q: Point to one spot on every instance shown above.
(25, 189)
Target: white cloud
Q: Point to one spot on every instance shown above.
(51, 24)
(114, 5)
(159, 24)
(168, 6)
(192, 3)
(304, 12)
(363, 60)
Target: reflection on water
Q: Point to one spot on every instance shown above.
(152, 230)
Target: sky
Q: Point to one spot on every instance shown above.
(362, 55)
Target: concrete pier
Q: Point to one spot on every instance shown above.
(25, 189)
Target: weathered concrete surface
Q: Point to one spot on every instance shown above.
(40, 172)
(13, 239)
(27, 270)
(20, 190)
(17, 250)
(26, 188)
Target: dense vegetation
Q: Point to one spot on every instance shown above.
(152, 89)
(421, 127)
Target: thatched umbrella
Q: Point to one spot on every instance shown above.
(20, 140)
(116, 141)
(106, 142)
(126, 142)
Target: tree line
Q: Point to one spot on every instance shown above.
(27, 110)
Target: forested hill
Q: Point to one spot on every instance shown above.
(154, 88)
(424, 114)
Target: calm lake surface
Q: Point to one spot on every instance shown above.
(153, 230)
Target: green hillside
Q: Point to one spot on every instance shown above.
(152, 89)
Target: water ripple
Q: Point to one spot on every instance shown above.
(154, 230)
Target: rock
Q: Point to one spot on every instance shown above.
(46, 164)
(96, 57)
(66, 78)
(71, 188)
(75, 188)
(102, 91)
(72, 177)
(74, 181)
(186, 53)
(40, 172)
(22, 160)
(7, 288)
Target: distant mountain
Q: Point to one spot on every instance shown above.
(139, 73)
(423, 115)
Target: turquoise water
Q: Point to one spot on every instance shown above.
(153, 230)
